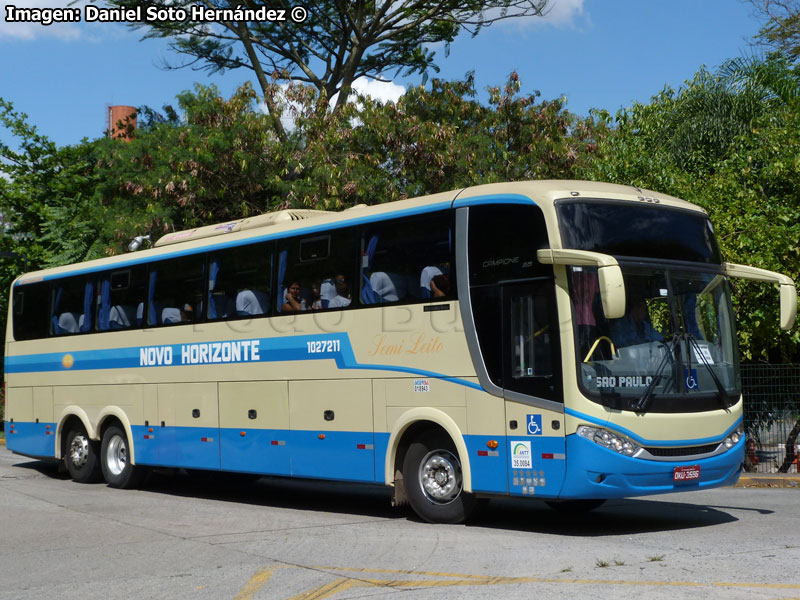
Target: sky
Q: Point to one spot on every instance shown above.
(597, 53)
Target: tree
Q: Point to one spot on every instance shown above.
(209, 160)
(434, 138)
(736, 157)
(46, 196)
(335, 43)
(782, 28)
(47, 216)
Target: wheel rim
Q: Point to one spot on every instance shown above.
(440, 476)
(116, 455)
(79, 450)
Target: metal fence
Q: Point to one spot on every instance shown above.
(771, 411)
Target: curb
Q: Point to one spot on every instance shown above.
(769, 480)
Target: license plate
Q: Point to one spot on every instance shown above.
(691, 473)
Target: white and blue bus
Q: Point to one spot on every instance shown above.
(559, 340)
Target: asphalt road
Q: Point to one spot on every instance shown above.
(197, 537)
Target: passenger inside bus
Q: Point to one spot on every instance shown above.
(390, 287)
(182, 314)
(292, 302)
(342, 297)
(440, 286)
(425, 277)
(251, 302)
(635, 327)
(316, 295)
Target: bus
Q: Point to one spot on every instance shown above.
(567, 341)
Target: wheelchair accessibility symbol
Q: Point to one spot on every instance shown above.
(691, 378)
(534, 424)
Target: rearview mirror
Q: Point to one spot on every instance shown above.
(609, 275)
(788, 293)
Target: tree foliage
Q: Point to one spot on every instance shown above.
(334, 45)
(726, 141)
(206, 161)
(781, 30)
(47, 191)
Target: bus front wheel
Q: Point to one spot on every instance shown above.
(81, 456)
(115, 460)
(433, 480)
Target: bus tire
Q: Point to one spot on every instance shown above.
(575, 506)
(433, 480)
(80, 456)
(114, 460)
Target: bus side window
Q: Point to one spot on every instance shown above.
(321, 266)
(175, 293)
(239, 282)
(31, 311)
(121, 293)
(401, 259)
(74, 303)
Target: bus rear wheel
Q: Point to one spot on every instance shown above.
(115, 460)
(433, 480)
(80, 456)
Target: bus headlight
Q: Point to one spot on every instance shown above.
(609, 439)
(733, 438)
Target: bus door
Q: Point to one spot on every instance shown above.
(531, 373)
(517, 356)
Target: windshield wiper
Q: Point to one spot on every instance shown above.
(723, 394)
(643, 402)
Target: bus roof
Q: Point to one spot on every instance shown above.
(290, 222)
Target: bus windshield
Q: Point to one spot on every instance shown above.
(673, 350)
(638, 230)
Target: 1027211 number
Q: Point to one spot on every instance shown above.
(324, 346)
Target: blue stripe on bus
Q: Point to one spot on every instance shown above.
(646, 442)
(355, 221)
(339, 455)
(597, 472)
(291, 348)
(494, 199)
(222, 245)
(31, 439)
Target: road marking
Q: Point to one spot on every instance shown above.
(402, 572)
(329, 589)
(466, 579)
(441, 580)
(255, 583)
